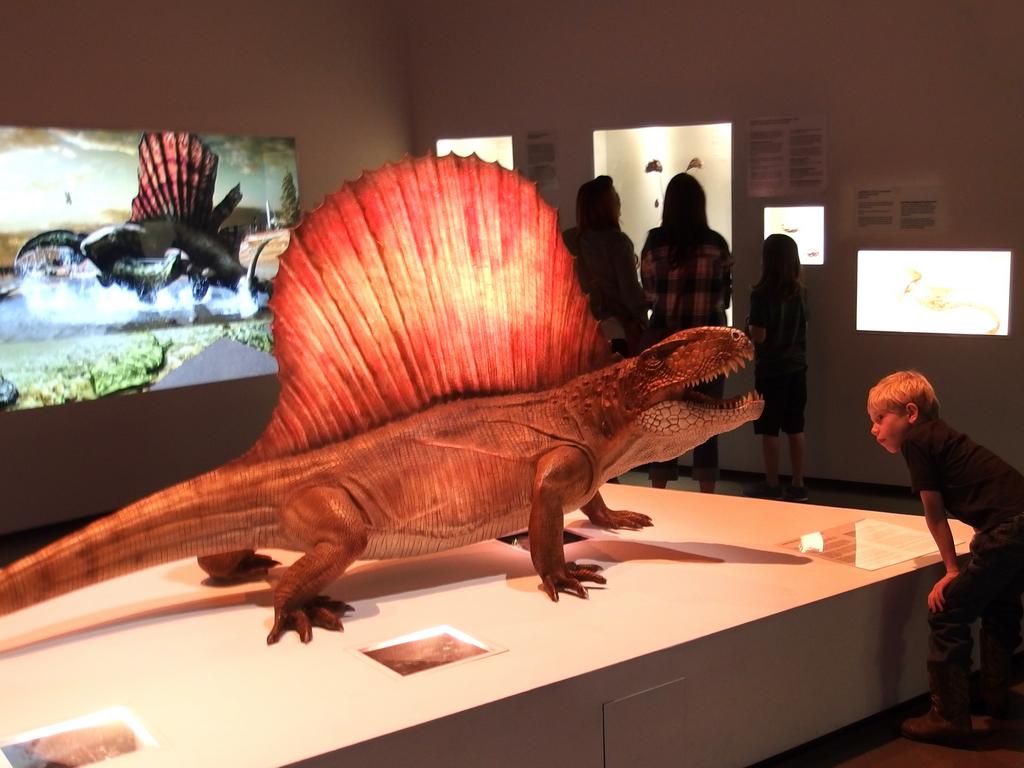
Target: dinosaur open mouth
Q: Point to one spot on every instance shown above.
(728, 404)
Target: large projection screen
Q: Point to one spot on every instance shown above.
(132, 261)
(950, 292)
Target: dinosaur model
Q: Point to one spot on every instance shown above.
(442, 383)
(174, 229)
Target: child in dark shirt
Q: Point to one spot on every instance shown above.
(954, 474)
(778, 327)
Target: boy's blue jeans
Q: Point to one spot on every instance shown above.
(990, 587)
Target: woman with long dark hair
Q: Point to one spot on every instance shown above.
(778, 327)
(686, 271)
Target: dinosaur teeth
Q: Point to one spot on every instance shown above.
(736, 403)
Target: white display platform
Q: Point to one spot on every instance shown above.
(711, 645)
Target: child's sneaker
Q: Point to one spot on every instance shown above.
(795, 493)
(763, 491)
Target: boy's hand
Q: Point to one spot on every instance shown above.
(938, 526)
(936, 598)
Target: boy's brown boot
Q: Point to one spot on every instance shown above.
(994, 678)
(949, 719)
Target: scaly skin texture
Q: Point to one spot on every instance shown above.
(453, 474)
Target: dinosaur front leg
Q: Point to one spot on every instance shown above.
(244, 565)
(562, 473)
(333, 535)
(603, 517)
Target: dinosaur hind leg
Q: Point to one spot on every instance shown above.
(333, 535)
(244, 565)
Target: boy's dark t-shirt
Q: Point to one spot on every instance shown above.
(977, 486)
(784, 349)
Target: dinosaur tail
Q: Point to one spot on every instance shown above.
(199, 517)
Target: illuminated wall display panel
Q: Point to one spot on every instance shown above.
(123, 255)
(493, 149)
(633, 156)
(955, 292)
(804, 223)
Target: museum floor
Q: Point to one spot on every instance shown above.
(871, 742)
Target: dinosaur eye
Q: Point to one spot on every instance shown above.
(651, 363)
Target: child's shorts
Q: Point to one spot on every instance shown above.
(784, 399)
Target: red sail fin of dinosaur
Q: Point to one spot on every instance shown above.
(177, 175)
(421, 282)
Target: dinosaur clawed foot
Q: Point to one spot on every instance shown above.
(319, 612)
(569, 580)
(236, 567)
(252, 567)
(620, 518)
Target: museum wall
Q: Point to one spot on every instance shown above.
(331, 73)
(914, 93)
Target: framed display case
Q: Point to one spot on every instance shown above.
(641, 161)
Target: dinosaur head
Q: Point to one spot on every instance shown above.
(108, 245)
(659, 389)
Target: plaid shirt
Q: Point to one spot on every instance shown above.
(693, 293)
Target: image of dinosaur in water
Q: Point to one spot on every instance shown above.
(123, 255)
(174, 230)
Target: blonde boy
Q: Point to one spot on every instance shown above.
(954, 475)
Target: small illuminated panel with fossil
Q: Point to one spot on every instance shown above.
(804, 223)
(491, 149)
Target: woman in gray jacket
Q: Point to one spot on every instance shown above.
(606, 265)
